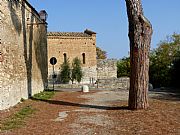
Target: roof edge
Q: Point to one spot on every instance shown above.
(87, 31)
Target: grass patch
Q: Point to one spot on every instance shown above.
(17, 119)
(45, 95)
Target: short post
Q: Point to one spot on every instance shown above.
(85, 88)
(53, 61)
(53, 77)
(90, 80)
(97, 83)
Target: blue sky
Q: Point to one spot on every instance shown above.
(109, 19)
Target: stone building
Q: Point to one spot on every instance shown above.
(68, 45)
(23, 52)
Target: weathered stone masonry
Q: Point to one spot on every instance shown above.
(71, 45)
(106, 69)
(23, 52)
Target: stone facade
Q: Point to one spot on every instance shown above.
(23, 52)
(106, 69)
(68, 45)
(114, 83)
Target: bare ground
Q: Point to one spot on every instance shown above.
(100, 113)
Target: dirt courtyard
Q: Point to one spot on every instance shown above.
(98, 113)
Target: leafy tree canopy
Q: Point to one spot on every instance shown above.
(100, 53)
(162, 61)
(123, 67)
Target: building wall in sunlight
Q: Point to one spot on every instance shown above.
(23, 52)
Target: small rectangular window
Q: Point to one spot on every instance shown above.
(65, 57)
(84, 58)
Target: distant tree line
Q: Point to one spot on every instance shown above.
(164, 70)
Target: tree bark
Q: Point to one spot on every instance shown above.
(140, 32)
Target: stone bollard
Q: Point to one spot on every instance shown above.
(85, 88)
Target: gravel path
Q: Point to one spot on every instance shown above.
(99, 112)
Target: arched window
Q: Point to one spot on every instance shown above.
(84, 58)
(65, 57)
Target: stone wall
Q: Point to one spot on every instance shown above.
(114, 83)
(106, 69)
(89, 75)
(73, 44)
(102, 84)
(23, 52)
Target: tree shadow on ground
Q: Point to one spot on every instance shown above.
(65, 103)
(166, 94)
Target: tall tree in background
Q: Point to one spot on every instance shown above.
(76, 70)
(100, 53)
(65, 72)
(140, 32)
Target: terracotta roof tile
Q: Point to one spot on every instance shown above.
(70, 34)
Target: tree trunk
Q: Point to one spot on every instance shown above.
(140, 32)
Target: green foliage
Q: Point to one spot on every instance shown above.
(162, 62)
(65, 72)
(176, 70)
(100, 53)
(164, 70)
(123, 67)
(45, 95)
(76, 70)
(17, 119)
(22, 100)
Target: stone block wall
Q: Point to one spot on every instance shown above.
(89, 75)
(23, 52)
(106, 69)
(114, 83)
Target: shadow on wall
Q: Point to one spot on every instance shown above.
(27, 49)
(29, 42)
(14, 17)
(20, 26)
(40, 46)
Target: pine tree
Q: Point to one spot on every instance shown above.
(140, 32)
(76, 70)
(65, 72)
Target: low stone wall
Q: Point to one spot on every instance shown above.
(65, 86)
(114, 83)
(106, 69)
(108, 84)
(89, 75)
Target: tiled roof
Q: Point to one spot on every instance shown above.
(70, 34)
